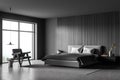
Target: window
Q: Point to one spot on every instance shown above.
(26, 26)
(10, 25)
(21, 34)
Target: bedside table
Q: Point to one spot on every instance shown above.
(113, 58)
(105, 59)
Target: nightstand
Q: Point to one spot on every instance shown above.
(105, 59)
(112, 59)
(118, 60)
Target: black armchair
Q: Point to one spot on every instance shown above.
(19, 55)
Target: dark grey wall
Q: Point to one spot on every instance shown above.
(51, 36)
(41, 39)
(95, 29)
(40, 32)
(0, 40)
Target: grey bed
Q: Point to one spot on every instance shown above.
(74, 58)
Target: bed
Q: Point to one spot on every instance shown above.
(77, 56)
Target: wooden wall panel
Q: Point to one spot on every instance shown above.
(96, 29)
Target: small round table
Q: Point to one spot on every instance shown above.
(10, 62)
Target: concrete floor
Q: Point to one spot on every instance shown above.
(38, 71)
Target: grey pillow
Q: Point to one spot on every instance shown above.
(95, 51)
(80, 50)
(60, 51)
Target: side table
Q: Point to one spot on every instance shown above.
(10, 62)
(105, 59)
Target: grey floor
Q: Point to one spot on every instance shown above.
(39, 71)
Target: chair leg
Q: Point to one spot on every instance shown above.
(29, 61)
(19, 62)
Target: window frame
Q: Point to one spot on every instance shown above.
(34, 26)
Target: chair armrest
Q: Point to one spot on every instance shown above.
(26, 52)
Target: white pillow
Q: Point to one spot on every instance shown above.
(87, 50)
(74, 50)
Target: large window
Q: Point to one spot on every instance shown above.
(20, 34)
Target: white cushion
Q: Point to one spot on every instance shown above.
(87, 49)
(74, 48)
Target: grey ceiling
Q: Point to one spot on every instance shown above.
(58, 8)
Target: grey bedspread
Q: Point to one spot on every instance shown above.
(67, 56)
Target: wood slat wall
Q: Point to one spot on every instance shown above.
(95, 29)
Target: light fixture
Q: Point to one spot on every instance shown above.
(10, 43)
